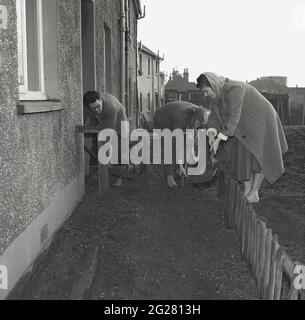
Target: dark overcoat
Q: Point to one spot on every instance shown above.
(179, 115)
(243, 112)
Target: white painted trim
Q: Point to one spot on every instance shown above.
(33, 96)
(40, 47)
(24, 93)
(21, 254)
(22, 31)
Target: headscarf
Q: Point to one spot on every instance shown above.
(217, 82)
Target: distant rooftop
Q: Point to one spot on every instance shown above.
(180, 83)
(270, 84)
(146, 50)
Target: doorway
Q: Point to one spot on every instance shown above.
(89, 69)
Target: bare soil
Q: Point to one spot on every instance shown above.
(153, 243)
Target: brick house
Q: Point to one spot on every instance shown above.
(51, 52)
(180, 88)
(151, 85)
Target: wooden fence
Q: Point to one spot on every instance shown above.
(260, 249)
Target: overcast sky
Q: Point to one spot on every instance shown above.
(240, 39)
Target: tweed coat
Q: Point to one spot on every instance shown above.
(246, 114)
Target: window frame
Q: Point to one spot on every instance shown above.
(149, 102)
(149, 66)
(24, 93)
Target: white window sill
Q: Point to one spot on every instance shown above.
(31, 107)
(33, 96)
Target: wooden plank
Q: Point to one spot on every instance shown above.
(103, 175)
(227, 203)
(252, 245)
(249, 236)
(231, 205)
(262, 258)
(254, 227)
(279, 274)
(243, 229)
(267, 263)
(293, 292)
(240, 213)
(274, 250)
(251, 239)
(226, 211)
(236, 207)
(257, 251)
(288, 266)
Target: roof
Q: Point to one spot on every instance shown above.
(268, 85)
(179, 84)
(146, 50)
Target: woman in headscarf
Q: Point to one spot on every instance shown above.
(245, 132)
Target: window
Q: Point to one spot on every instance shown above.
(148, 70)
(37, 59)
(140, 64)
(157, 99)
(148, 102)
(157, 67)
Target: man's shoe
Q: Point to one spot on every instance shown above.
(170, 181)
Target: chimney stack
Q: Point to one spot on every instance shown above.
(186, 75)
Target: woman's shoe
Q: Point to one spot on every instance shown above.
(253, 198)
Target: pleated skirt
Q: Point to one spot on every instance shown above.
(234, 158)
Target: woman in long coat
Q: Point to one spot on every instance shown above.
(246, 129)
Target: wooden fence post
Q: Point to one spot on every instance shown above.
(236, 207)
(274, 250)
(253, 242)
(249, 235)
(265, 258)
(231, 205)
(257, 251)
(227, 203)
(243, 228)
(279, 274)
(240, 214)
(262, 257)
(267, 264)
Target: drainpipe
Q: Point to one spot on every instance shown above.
(127, 33)
(122, 50)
